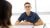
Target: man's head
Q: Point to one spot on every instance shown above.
(27, 6)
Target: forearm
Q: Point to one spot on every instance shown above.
(39, 22)
(17, 22)
(23, 23)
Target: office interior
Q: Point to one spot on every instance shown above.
(41, 7)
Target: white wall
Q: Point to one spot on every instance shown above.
(18, 5)
(43, 5)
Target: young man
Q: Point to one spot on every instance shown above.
(29, 16)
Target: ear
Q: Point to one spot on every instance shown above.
(31, 7)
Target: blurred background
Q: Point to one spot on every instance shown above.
(41, 7)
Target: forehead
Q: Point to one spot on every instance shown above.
(27, 5)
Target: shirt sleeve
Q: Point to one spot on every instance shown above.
(20, 18)
(36, 18)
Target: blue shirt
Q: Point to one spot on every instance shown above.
(33, 17)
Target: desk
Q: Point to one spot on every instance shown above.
(21, 26)
(26, 26)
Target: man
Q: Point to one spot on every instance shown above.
(29, 17)
(5, 13)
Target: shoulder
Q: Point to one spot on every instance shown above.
(23, 13)
(34, 13)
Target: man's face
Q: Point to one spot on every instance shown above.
(27, 7)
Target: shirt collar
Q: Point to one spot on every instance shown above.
(30, 13)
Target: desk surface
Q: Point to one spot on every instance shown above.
(25, 26)
(21, 26)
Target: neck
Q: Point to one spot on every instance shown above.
(28, 13)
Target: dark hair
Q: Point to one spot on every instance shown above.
(5, 12)
(26, 3)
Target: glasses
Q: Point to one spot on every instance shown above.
(27, 6)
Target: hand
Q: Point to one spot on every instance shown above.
(17, 22)
(25, 23)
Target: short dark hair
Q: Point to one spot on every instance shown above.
(26, 3)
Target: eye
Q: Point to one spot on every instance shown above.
(27, 6)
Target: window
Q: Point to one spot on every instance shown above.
(43, 5)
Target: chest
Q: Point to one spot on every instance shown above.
(29, 17)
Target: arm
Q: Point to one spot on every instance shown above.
(36, 21)
(23, 23)
(19, 19)
(39, 22)
(17, 22)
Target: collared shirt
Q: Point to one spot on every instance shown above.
(33, 17)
